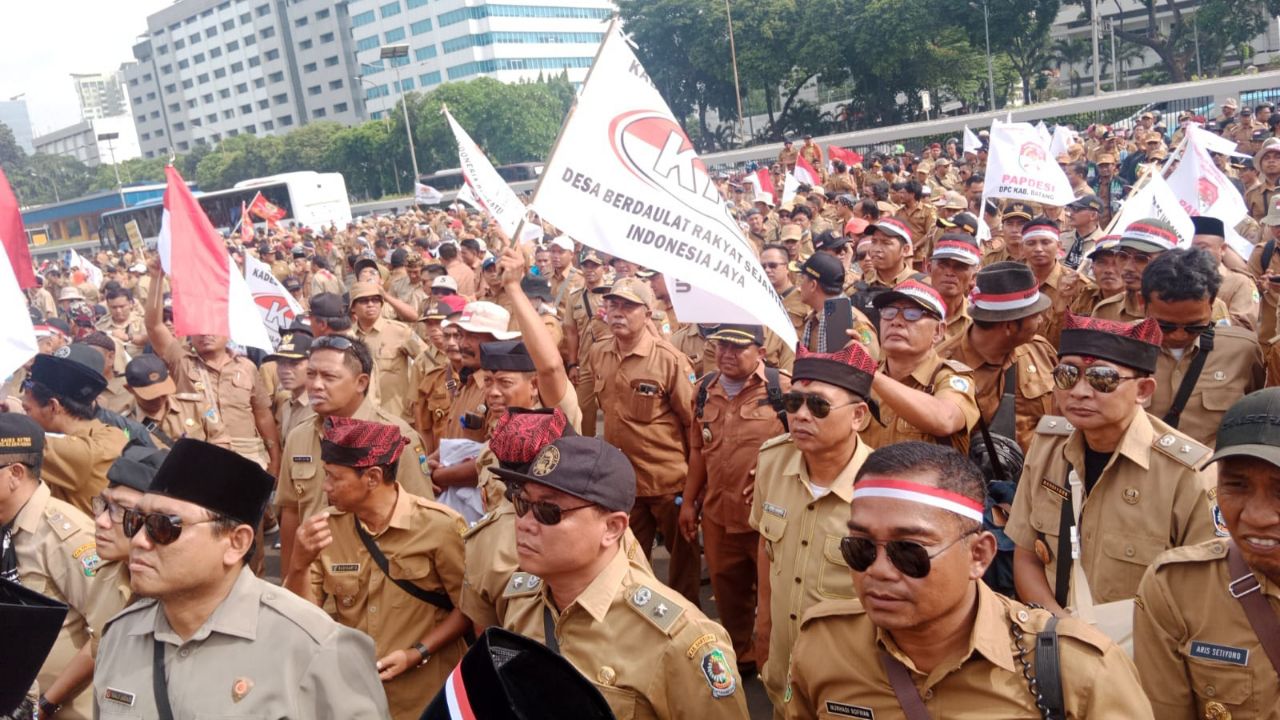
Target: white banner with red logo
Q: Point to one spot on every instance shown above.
(1155, 200)
(277, 307)
(490, 190)
(1203, 189)
(1021, 167)
(628, 182)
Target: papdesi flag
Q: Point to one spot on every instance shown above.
(805, 173)
(14, 237)
(1155, 199)
(1203, 189)
(490, 190)
(91, 272)
(427, 195)
(210, 296)
(628, 182)
(266, 209)
(275, 304)
(1021, 167)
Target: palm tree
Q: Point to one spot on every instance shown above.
(1077, 55)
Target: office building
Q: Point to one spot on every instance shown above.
(81, 142)
(512, 41)
(207, 70)
(13, 113)
(101, 95)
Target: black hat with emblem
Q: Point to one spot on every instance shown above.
(294, 345)
(148, 377)
(511, 355)
(136, 467)
(67, 377)
(1251, 428)
(21, 440)
(587, 468)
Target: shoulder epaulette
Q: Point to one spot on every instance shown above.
(1181, 448)
(654, 606)
(1054, 425)
(522, 584)
(1208, 551)
(776, 441)
(832, 608)
(310, 618)
(485, 521)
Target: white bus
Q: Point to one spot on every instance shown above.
(309, 199)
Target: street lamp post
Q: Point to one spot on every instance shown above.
(733, 55)
(386, 122)
(108, 137)
(392, 53)
(991, 76)
(1093, 32)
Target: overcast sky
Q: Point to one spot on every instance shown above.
(43, 42)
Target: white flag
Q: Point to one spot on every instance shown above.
(90, 270)
(493, 193)
(790, 186)
(427, 195)
(1020, 167)
(1203, 189)
(1155, 200)
(971, 141)
(276, 304)
(466, 196)
(1061, 142)
(629, 183)
(17, 336)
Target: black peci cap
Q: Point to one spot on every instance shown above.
(136, 467)
(509, 355)
(216, 479)
(69, 378)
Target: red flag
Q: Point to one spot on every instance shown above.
(805, 172)
(765, 181)
(198, 265)
(848, 157)
(246, 226)
(14, 236)
(264, 209)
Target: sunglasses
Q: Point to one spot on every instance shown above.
(819, 406)
(545, 512)
(1100, 377)
(100, 504)
(332, 342)
(911, 314)
(1137, 257)
(162, 529)
(910, 558)
(1168, 327)
(773, 265)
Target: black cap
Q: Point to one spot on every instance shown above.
(21, 440)
(536, 287)
(328, 305)
(148, 377)
(292, 284)
(1019, 209)
(136, 467)
(399, 257)
(364, 262)
(1251, 428)
(69, 378)
(964, 222)
(31, 624)
(1086, 202)
(83, 353)
(827, 270)
(1206, 225)
(829, 240)
(587, 468)
(293, 346)
(299, 251)
(216, 479)
(506, 355)
(738, 334)
(506, 676)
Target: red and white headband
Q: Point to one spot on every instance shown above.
(1041, 232)
(1007, 301)
(884, 487)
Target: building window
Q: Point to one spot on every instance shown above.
(246, 109)
(376, 91)
(237, 66)
(309, 68)
(259, 83)
(318, 113)
(250, 39)
(224, 93)
(228, 114)
(495, 65)
(255, 61)
(197, 58)
(363, 18)
(420, 27)
(202, 78)
(424, 53)
(411, 4)
(286, 120)
(516, 38)
(220, 72)
(272, 55)
(483, 11)
(215, 52)
(280, 99)
(267, 32)
(301, 22)
(159, 132)
(179, 126)
(187, 84)
(170, 89)
(331, 61)
(175, 107)
(368, 43)
(245, 19)
(322, 14)
(391, 8)
(179, 44)
(166, 69)
(229, 25)
(183, 64)
(264, 104)
(335, 84)
(406, 84)
(326, 38)
(276, 77)
(184, 145)
(210, 32)
(304, 45)
(395, 35)
(211, 117)
(263, 10)
(268, 125)
(313, 90)
(141, 118)
(192, 103)
(146, 136)
(197, 122)
(431, 78)
(233, 46)
(162, 50)
(194, 38)
(340, 108)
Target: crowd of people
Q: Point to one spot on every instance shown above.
(1062, 437)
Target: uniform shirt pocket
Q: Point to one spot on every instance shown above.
(388, 355)
(834, 580)
(621, 701)
(1220, 682)
(644, 400)
(343, 589)
(1219, 399)
(772, 528)
(416, 570)
(1124, 560)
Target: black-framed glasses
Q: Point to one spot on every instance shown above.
(1100, 377)
(910, 558)
(1189, 328)
(773, 265)
(162, 529)
(101, 504)
(910, 314)
(819, 406)
(544, 511)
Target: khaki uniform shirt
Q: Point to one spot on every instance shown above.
(1241, 295)
(1196, 652)
(393, 346)
(802, 542)
(292, 411)
(302, 471)
(235, 390)
(58, 557)
(1033, 396)
(115, 397)
(423, 545)
(470, 398)
(114, 576)
(468, 282)
(1232, 370)
(647, 399)
(1120, 307)
(132, 327)
(940, 378)
(563, 284)
(323, 281)
(958, 322)
(836, 670)
(264, 652)
(75, 464)
(1056, 314)
(400, 286)
(1258, 198)
(187, 416)
(873, 278)
(436, 390)
(787, 158)
(920, 220)
(728, 435)
(650, 652)
(1148, 499)
(866, 333)
(797, 311)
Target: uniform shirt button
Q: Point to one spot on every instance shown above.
(797, 581)
(1128, 551)
(184, 652)
(793, 616)
(1210, 690)
(373, 608)
(928, 694)
(804, 543)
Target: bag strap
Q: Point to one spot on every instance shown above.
(153, 427)
(906, 690)
(704, 386)
(549, 630)
(1081, 595)
(1262, 618)
(1174, 416)
(773, 386)
(1268, 251)
(159, 681)
(1049, 671)
(1004, 421)
(432, 597)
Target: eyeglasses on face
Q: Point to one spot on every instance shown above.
(544, 511)
(101, 504)
(332, 342)
(162, 528)
(1189, 328)
(819, 406)
(1100, 377)
(1138, 258)
(910, 558)
(910, 314)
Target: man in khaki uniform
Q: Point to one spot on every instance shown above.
(921, 395)
(734, 413)
(1142, 492)
(919, 216)
(407, 600)
(645, 386)
(821, 279)
(293, 406)
(650, 652)
(481, 322)
(60, 398)
(890, 254)
(1041, 247)
(1261, 196)
(1238, 290)
(393, 344)
(337, 384)
(122, 323)
(259, 651)
(924, 614)
(1195, 643)
(1178, 289)
(952, 266)
(777, 267)
(800, 502)
(565, 278)
(787, 155)
(114, 398)
(584, 326)
(167, 414)
(438, 386)
(1007, 311)
(47, 546)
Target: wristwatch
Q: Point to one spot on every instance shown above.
(47, 709)
(423, 651)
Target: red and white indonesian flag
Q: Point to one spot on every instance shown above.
(13, 236)
(805, 173)
(1203, 189)
(488, 187)
(790, 187)
(17, 336)
(629, 183)
(275, 304)
(210, 296)
(1155, 200)
(762, 185)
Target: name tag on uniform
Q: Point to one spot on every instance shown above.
(1220, 653)
(775, 510)
(344, 567)
(852, 711)
(1055, 489)
(301, 458)
(118, 696)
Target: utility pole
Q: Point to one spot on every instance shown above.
(108, 137)
(1093, 32)
(392, 52)
(733, 55)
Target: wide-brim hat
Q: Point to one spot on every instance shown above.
(1007, 291)
(482, 317)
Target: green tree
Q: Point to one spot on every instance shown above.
(1019, 30)
(1075, 53)
(11, 153)
(307, 148)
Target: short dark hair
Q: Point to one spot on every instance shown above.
(320, 262)
(117, 292)
(802, 210)
(357, 358)
(448, 251)
(43, 395)
(974, 179)
(1080, 168)
(880, 190)
(838, 166)
(913, 186)
(774, 246)
(1182, 274)
(472, 244)
(341, 323)
(869, 208)
(951, 471)
(223, 525)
